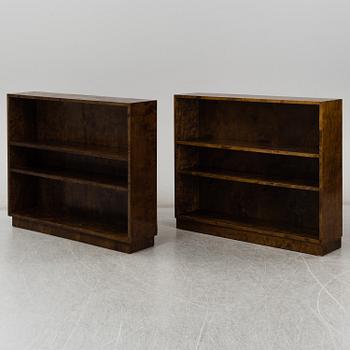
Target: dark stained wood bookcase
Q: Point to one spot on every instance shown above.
(260, 169)
(83, 168)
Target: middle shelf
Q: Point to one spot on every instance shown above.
(300, 184)
(112, 153)
(80, 169)
(291, 172)
(250, 147)
(100, 180)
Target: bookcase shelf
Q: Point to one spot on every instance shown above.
(249, 147)
(116, 230)
(110, 182)
(250, 178)
(83, 168)
(260, 169)
(258, 226)
(80, 149)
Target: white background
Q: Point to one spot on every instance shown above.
(153, 49)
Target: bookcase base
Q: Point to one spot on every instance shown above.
(81, 237)
(320, 248)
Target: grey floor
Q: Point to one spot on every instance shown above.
(190, 291)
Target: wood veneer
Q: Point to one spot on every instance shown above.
(83, 168)
(261, 169)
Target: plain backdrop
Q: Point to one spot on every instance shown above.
(153, 49)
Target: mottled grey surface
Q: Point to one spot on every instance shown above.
(190, 291)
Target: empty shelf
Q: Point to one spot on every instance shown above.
(252, 225)
(115, 231)
(114, 183)
(250, 178)
(248, 147)
(80, 149)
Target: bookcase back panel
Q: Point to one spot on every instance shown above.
(269, 166)
(264, 124)
(186, 119)
(98, 203)
(23, 191)
(69, 122)
(248, 202)
(57, 198)
(188, 200)
(49, 160)
(22, 120)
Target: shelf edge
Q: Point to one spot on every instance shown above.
(247, 149)
(69, 179)
(244, 227)
(73, 228)
(70, 150)
(251, 180)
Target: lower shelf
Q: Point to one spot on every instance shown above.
(257, 226)
(113, 183)
(76, 148)
(257, 232)
(249, 147)
(248, 178)
(109, 236)
(116, 231)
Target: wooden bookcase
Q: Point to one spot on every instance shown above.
(83, 168)
(260, 169)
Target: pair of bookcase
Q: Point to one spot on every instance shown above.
(266, 170)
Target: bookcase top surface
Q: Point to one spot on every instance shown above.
(119, 101)
(255, 98)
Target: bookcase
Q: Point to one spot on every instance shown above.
(83, 168)
(260, 169)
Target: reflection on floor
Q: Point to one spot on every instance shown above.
(190, 291)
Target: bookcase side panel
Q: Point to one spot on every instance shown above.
(142, 125)
(330, 171)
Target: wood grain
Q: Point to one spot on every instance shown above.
(331, 193)
(87, 99)
(142, 171)
(253, 98)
